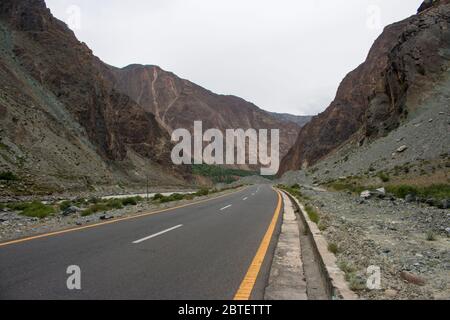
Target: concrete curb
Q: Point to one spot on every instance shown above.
(334, 277)
(287, 280)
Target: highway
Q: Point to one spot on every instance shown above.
(219, 249)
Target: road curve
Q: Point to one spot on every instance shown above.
(203, 251)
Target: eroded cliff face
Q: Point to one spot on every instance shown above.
(177, 103)
(408, 59)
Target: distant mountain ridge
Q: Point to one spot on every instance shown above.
(299, 120)
(177, 103)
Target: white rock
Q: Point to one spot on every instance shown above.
(402, 149)
(366, 194)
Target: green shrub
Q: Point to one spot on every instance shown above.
(131, 201)
(94, 208)
(431, 236)
(19, 206)
(158, 196)
(202, 192)
(8, 176)
(436, 191)
(312, 213)
(333, 248)
(384, 177)
(94, 200)
(37, 209)
(173, 197)
(65, 205)
(115, 204)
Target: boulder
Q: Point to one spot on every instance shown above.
(445, 204)
(410, 198)
(412, 278)
(71, 210)
(366, 194)
(402, 149)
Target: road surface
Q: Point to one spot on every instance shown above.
(208, 250)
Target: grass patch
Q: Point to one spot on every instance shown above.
(333, 248)
(312, 214)
(131, 201)
(384, 176)
(353, 187)
(202, 192)
(98, 205)
(431, 236)
(65, 205)
(33, 209)
(436, 191)
(115, 203)
(8, 176)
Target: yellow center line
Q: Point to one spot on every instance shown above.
(246, 288)
(113, 221)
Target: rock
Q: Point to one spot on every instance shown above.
(380, 193)
(412, 278)
(390, 293)
(402, 149)
(71, 210)
(445, 204)
(366, 194)
(432, 202)
(410, 198)
(106, 217)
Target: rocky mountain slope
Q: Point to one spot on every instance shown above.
(177, 103)
(71, 122)
(404, 75)
(63, 125)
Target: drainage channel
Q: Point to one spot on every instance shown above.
(316, 285)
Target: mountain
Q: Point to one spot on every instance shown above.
(177, 103)
(301, 121)
(63, 125)
(407, 66)
(71, 122)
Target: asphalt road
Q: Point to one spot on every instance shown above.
(203, 251)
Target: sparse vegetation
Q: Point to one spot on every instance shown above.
(384, 177)
(431, 236)
(99, 205)
(33, 209)
(131, 201)
(312, 214)
(436, 191)
(65, 205)
(333, 248)
(8, 176)
(202, 192)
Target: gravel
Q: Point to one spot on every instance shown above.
(391, 234)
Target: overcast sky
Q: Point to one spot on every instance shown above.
(282, 55)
